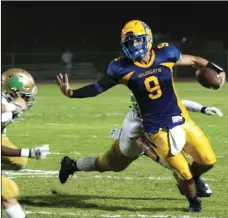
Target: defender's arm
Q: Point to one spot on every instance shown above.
(18, 105)
(148, 151)
(8, 107)
(197, 107)
(10, 152)
(143, 145)
(39, 152)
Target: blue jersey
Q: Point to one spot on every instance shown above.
(152, 86)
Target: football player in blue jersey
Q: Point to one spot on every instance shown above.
(148, 72)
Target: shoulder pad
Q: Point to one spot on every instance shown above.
(123, 61)
(169, 52)
(117, 66)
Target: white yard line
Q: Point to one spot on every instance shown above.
(59, 124)
(109, 114)
(59, 153)
(110, 216)
(54, 173)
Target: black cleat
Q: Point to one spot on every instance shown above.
(203, 188)
(68, 167)
(195, 206)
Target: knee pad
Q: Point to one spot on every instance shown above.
(181, 168)
(206, 160)
(113, 160)
(209, 159)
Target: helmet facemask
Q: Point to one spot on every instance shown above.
(136, 39)
(28, 97)
(132, 51)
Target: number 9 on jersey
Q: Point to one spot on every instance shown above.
(153, 87)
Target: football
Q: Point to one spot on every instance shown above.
(207, 78)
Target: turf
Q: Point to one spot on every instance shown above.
(80, 127)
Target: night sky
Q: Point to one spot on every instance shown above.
(49, 23)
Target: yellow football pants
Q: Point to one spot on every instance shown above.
(197, 146)
(12, 163)
(113, 159)
(9, 188)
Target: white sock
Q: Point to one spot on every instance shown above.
(86, 164)
(14, 212)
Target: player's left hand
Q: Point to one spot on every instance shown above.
(222, 75)
(63, 83)
(213, 111)
(39, 152)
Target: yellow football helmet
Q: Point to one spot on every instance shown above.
(19, 83)
(136, 31)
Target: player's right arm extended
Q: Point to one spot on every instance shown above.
(106, 82)
(94, 89)
(87, 91)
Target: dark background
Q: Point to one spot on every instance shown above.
(35, 34)
(91, 26)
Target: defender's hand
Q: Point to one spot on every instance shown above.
(63, 83)
(39, 152)
(21, 105)
(213, 111)
(222, 75)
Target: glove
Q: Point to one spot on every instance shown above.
(39, 152)
(213, 111)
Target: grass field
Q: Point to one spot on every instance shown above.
(80, 127)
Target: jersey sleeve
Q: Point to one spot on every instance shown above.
(192, 105)
(135, 130)
(170, 52)
(114, 69)
(132, 125)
